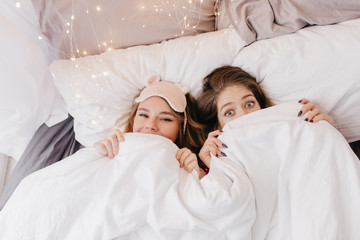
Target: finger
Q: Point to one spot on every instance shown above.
(182, 155)
(180, 152)
(215, 133)
(178, 156)
(186, 158)
(323, 116)
(303, 101)
(189, 162)
(104, 146)
(101, 148)
(119, 135)
(114, 143)
(307, 107)
(314, 112)
(216, 142)
(211, 147)
(190, 158)
(108, 144)
(192, 166)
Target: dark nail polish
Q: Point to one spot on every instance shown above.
(299, 114)
(224, 145)
(223, 154)
(216, 155)
(311, 121)
(299, 101)
(306, 119)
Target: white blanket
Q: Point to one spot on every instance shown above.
(305, 176)
(141, 194)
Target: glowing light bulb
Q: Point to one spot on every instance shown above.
(18, 5)
(98, 8)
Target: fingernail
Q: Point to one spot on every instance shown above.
(300, 101)
(216, 155)
(224, 145)
(306, 119)
(311, 121)
(221, 130)
(299, 114)
(223, 154)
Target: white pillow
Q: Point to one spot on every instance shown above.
(320, 63)
(27, 92)
(99, 89)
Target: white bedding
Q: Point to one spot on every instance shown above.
(305, 178)
(141, 194)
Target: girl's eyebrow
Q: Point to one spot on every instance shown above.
(163, 112)
(167, 113)
(229, 103)
(225, 105)
(143, 109)
(247, 95)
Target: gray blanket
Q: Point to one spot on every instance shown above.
(261, 19)
(49, 145)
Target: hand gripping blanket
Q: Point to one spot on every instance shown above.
(305, 176)
(141, 194)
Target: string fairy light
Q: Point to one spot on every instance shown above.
(186, 15)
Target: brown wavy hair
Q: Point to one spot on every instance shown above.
(219, 79)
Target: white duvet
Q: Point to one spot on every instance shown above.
(305, 176)
(141, 194)
(300, 179)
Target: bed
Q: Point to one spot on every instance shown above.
(71, 69)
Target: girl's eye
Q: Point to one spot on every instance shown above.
(166, 119)
(143, 115)
(229, 113)
(249, 104)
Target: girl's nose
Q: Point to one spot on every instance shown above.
(242, 112)
(151, 124)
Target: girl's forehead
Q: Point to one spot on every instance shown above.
(155, 104)
(233, 92)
